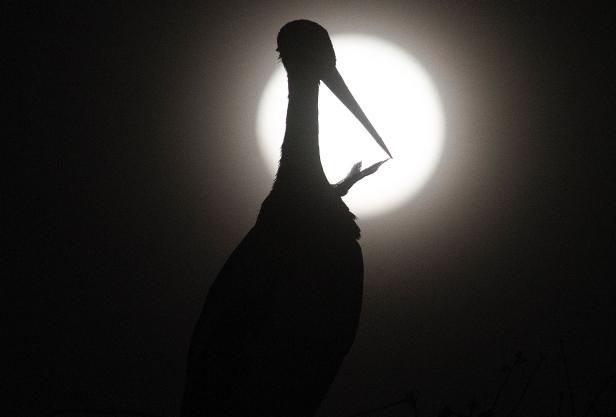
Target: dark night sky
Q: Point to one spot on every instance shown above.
(132, 174)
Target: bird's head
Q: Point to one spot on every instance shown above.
(307, 51)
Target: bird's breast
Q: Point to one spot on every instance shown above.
(301, 217)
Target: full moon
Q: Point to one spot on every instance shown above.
(400, 100)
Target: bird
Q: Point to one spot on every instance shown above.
(283, 312)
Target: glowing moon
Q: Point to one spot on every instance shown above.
(400, 100)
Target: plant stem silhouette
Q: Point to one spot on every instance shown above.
(525, 390)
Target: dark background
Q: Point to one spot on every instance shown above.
(131, 173)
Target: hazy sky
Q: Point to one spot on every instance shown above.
(134, 171)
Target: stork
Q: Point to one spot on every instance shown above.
(283, 312)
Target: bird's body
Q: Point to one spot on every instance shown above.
(283, 312)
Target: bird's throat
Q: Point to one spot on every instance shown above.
(300, 162)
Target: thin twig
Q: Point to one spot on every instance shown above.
(504, 383)
(599, 392)
(525, 390)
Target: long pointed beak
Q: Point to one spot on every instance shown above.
(333, 80)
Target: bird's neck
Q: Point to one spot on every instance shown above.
(300, 162)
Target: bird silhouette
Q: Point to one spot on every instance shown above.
(283, 312)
